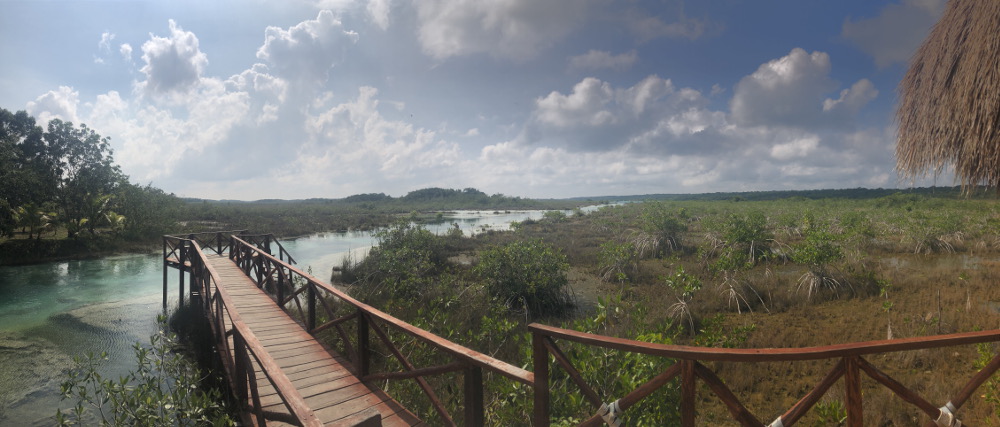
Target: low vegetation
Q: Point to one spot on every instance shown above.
(730, 273)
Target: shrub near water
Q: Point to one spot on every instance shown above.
(528, 274)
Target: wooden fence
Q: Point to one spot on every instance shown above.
(687, 364)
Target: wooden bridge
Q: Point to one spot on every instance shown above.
(266, 315)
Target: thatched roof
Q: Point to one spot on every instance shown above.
(949, 100)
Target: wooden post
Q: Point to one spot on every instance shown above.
(473, 396)
(239, 348)
(182, 249)
(311, 306)
(281, 287)
(165, 267)
(852, 387)
(540, 359)
(364, 347)
(687, 393)
(218, 243)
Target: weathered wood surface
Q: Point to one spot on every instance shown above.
(329, 388)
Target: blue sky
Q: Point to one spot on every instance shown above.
(557, 98)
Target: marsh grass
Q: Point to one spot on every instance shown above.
(812, 273)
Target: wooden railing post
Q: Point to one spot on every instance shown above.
(281, 287)
(218, 243)
(182, 257)
(540, 359)
(473, 396)
(687, 393)
(310, 307)
(165, 268)
(364, 346)
(852, 387)
(239, 347)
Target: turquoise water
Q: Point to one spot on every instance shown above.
(50, 312)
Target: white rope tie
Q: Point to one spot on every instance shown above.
(776, 423)
(947, 416)
(609, 413)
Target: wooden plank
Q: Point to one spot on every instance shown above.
(320, 377)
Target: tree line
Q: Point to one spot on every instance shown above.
(64, 178)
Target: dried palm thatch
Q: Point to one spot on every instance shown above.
(949, 107)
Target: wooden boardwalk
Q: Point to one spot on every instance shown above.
(329, 388)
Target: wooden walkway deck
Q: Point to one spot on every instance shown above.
(328, 386)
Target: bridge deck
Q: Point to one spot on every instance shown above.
(329, 388)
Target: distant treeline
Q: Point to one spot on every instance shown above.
(848, 193)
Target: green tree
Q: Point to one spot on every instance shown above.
(25, 175)
(84, 168)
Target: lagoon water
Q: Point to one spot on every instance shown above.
(50, 312)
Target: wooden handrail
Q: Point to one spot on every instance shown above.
(286, 391)
(850, 367)
(712, 354)
(458, 351)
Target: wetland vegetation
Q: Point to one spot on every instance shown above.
(786, 272)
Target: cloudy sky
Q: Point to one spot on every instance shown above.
(257, 99)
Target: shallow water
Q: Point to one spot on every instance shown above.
(50, 312)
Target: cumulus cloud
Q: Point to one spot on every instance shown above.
(893, 35)
(791, 91)
(595, 116)
(601, 59)
(510, 29)
(56, 104)
(353, 142)
(174, 64)
(308, 50)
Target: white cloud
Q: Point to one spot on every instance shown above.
(601, 59)
(379, 10)
(56, 104)
(126, 51)
(851, 100)
(105, 43)
(584, 107)
(791, 90)
(308, 50)
(894, 35)
(174, 64)
(795, 149)
(511, 29)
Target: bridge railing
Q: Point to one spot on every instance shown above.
(239, 347)
(215, 241)
(302, 294)
(268, 242)
(687, 364)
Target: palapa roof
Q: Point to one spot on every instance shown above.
(949, 100)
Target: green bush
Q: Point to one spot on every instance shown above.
(403, 263)
(617, 261)
(527, 274)
(163, 390)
